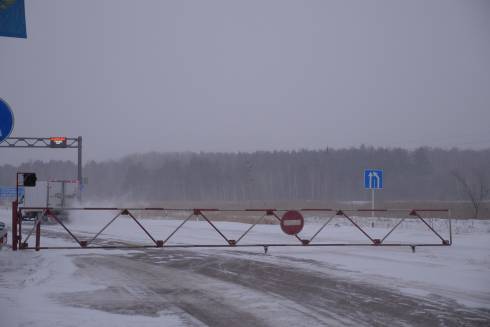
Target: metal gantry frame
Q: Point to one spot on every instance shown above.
(19, 243)
(45, 142)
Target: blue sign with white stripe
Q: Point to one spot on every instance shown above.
(373, 179)
(9, 192)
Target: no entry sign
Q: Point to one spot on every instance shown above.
(292, 222)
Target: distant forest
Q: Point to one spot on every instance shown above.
(328, 174)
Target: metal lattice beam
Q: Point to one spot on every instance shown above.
(37, 142)
(47, 143)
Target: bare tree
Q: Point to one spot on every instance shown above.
(476, 189)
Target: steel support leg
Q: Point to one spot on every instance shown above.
(14, 225)
(38, 235)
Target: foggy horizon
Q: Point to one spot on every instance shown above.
(248, 76)
(71, 155)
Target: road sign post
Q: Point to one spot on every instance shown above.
(372, 202)
(373, 179)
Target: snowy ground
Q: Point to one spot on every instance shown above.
(301, 285)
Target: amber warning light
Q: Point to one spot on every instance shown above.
(57, 142)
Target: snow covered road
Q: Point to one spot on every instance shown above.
(244, 287)
(217, 290)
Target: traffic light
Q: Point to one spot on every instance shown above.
(57, 142)
(30, 179)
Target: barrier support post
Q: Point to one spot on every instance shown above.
(38, 235)
(450, 229)
(14, 225)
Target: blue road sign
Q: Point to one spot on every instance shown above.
(13, 18)
(6, 120)
(373, 178)
(8, 192)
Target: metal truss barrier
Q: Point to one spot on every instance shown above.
(19, 243)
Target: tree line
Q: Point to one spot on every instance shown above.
(327, 174)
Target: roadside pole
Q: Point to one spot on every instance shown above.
(372, 203)
(14, 226)
(79, 169)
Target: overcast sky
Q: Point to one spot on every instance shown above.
(137, 76)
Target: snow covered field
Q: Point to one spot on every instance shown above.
(30, 281)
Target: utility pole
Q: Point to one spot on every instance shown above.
(80, 176)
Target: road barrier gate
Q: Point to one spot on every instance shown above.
(347, 215)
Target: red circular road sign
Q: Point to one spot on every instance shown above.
(292, 222)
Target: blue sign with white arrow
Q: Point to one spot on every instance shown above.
(373, 178)
(6, 120)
